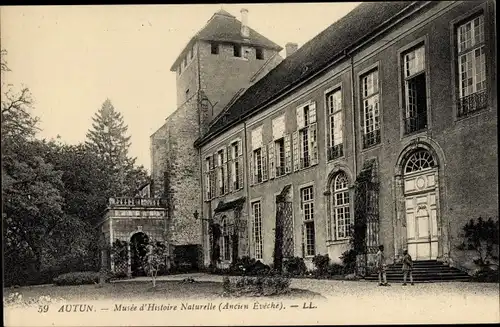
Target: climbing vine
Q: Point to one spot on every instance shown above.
(119, 250)
(358, 235)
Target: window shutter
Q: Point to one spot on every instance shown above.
(216, 175)
(300, 117)
(240, 172)
(207, 186)
(252, 236)
(240, 149)
(312, 112)
(252, 174)
(296, 153)
(313, 140)
(272, 169)
(264, 162)
(303, 240)
(212, 184)
(288, 155)
(229, 170)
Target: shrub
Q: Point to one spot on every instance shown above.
(482, 237)
(321, 263)
(226, 285)
(349, 260)
(295, 266)
(77, 278)
(257, 286)
(335, 269)
(487, 275)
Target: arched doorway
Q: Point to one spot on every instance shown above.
(138, 251)
(420, 189)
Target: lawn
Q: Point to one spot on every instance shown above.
(136, 290)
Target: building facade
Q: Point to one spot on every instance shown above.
(402, 92)
(218, 64)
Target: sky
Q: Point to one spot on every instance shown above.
(74, 57)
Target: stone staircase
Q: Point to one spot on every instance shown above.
(424, 271)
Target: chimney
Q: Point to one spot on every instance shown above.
(245, 31)
(290, 49)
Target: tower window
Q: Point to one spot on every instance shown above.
(237, 50)
(214, 48)
(259, 53)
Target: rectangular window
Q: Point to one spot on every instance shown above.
(304, 137)
(307, 197)
(257, 156)
(259, 53)
(209, 178)
(236, 166)
(184, 62)
(279, 146)
(220, 172)
(371, 111)
(471, 66)
(214, 48)
(226, 241)
(237, 50)
(257, 229)
(335, 141)
(415, 90)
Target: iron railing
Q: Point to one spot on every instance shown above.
(335, 151)
(416, 123)
(472, 103)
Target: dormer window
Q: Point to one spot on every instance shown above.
(259, 53)
(237, 50)
(214, 48)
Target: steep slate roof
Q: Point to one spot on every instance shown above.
(224, 27)
(331, 44)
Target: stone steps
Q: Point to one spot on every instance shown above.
(424, 271)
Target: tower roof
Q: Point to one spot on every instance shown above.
(225, 28)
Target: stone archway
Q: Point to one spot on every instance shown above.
(138, 251)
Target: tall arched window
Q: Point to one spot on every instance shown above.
(418, 161)
(340, 206)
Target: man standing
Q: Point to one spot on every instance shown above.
(381, 267)
(407, 267)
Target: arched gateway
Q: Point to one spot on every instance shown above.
(131, 223)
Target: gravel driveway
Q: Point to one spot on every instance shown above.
(359, 302)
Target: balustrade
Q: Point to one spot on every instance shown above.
(135, 202)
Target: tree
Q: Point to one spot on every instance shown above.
(109, 140)
(155, 259)
(32, 206)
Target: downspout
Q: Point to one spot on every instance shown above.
(247, 184)
(353, 121)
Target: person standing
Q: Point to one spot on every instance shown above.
(407, 267)
(381, 267)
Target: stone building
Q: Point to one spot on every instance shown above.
(400, 95)
(223, 59)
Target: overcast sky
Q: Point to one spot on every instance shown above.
(74, 57)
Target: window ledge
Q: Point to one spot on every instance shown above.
(306, 168)
(372, 147)
(413, 134)
(336, 242)
(336, 159)
(473, 114)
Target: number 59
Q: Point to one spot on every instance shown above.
(43, 308)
